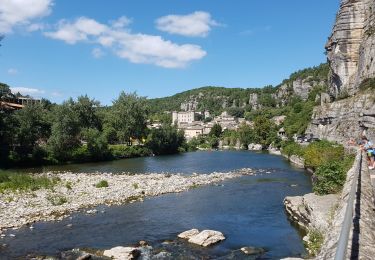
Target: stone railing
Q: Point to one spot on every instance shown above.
(359, 243)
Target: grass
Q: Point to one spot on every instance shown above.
(25, 182)
(102, 184)
(57, 200)
(135, 185)
(315, 241)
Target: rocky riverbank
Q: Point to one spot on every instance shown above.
(76, 191)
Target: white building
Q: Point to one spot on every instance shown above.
(184, 117)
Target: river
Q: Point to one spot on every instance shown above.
(248, 210)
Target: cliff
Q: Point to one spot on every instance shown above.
(350, 48)
(351, 52)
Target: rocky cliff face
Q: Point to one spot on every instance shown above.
(350, 48)
(341, 120)
(351, 52)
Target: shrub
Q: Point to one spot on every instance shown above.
(315, 241)
(292, 148)
(330, 178)
(124, 151)
(102, 184)
(57, 200)
(319, 153)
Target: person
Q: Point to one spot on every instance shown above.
(368, 147)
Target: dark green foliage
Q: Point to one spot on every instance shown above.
(246, 135)
(317, 73)
(330, 178)
(216, 130)
(265, 131)
(124, 151)
(319, 153)
(128, 117)
(65, 132)
(102, 184)
(165, 140)
(298, 117)
(292, 148)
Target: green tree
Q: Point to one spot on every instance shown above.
(216, 130)
(96, 142)
(128, 117)
(86, 109)
(165, 140)
(32, 128)
(246, 134)
(65, 132)
(264, 131)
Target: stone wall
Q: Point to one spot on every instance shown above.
(364, 222)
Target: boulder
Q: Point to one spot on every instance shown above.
(249, 250)
(207, 238)
(255, 147)
(122, 253)
(188, 234)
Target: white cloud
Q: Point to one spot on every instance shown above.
(137, 48)
(27, 91)
(121, 22)
(21, 12)
(195, 24)
(80, 30)
(12, 71)
(97, 53)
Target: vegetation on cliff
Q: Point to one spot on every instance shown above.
(328, 160)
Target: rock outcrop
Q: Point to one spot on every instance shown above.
(122, 253)
(344, 119)
(311, 211)
(350, 48)
(204, 238)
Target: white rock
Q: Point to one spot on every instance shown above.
(207, 238)
(122, 253)
(188, 234)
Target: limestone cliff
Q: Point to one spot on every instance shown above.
(344, 119)
(351, 52)
(350, 47)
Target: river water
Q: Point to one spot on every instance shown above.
(248, 210)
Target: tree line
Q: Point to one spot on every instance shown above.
(82, 130)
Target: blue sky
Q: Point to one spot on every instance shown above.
(65, 48)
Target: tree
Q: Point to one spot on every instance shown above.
(165, 140)
(65, 132)
(97, 145)
(216, 130)
(32, 128)
(264, 131)
(86, 109)
(128, 117)
(246, 134)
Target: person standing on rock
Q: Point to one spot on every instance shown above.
(369, 148)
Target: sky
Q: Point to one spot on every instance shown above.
(58, 49)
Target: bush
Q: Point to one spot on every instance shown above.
(292, 148)
(102, 184)
(124, 151)
(319, 153)
(330, 177)
(315, 241)
(57, 200)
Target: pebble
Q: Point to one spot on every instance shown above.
(31, 207)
